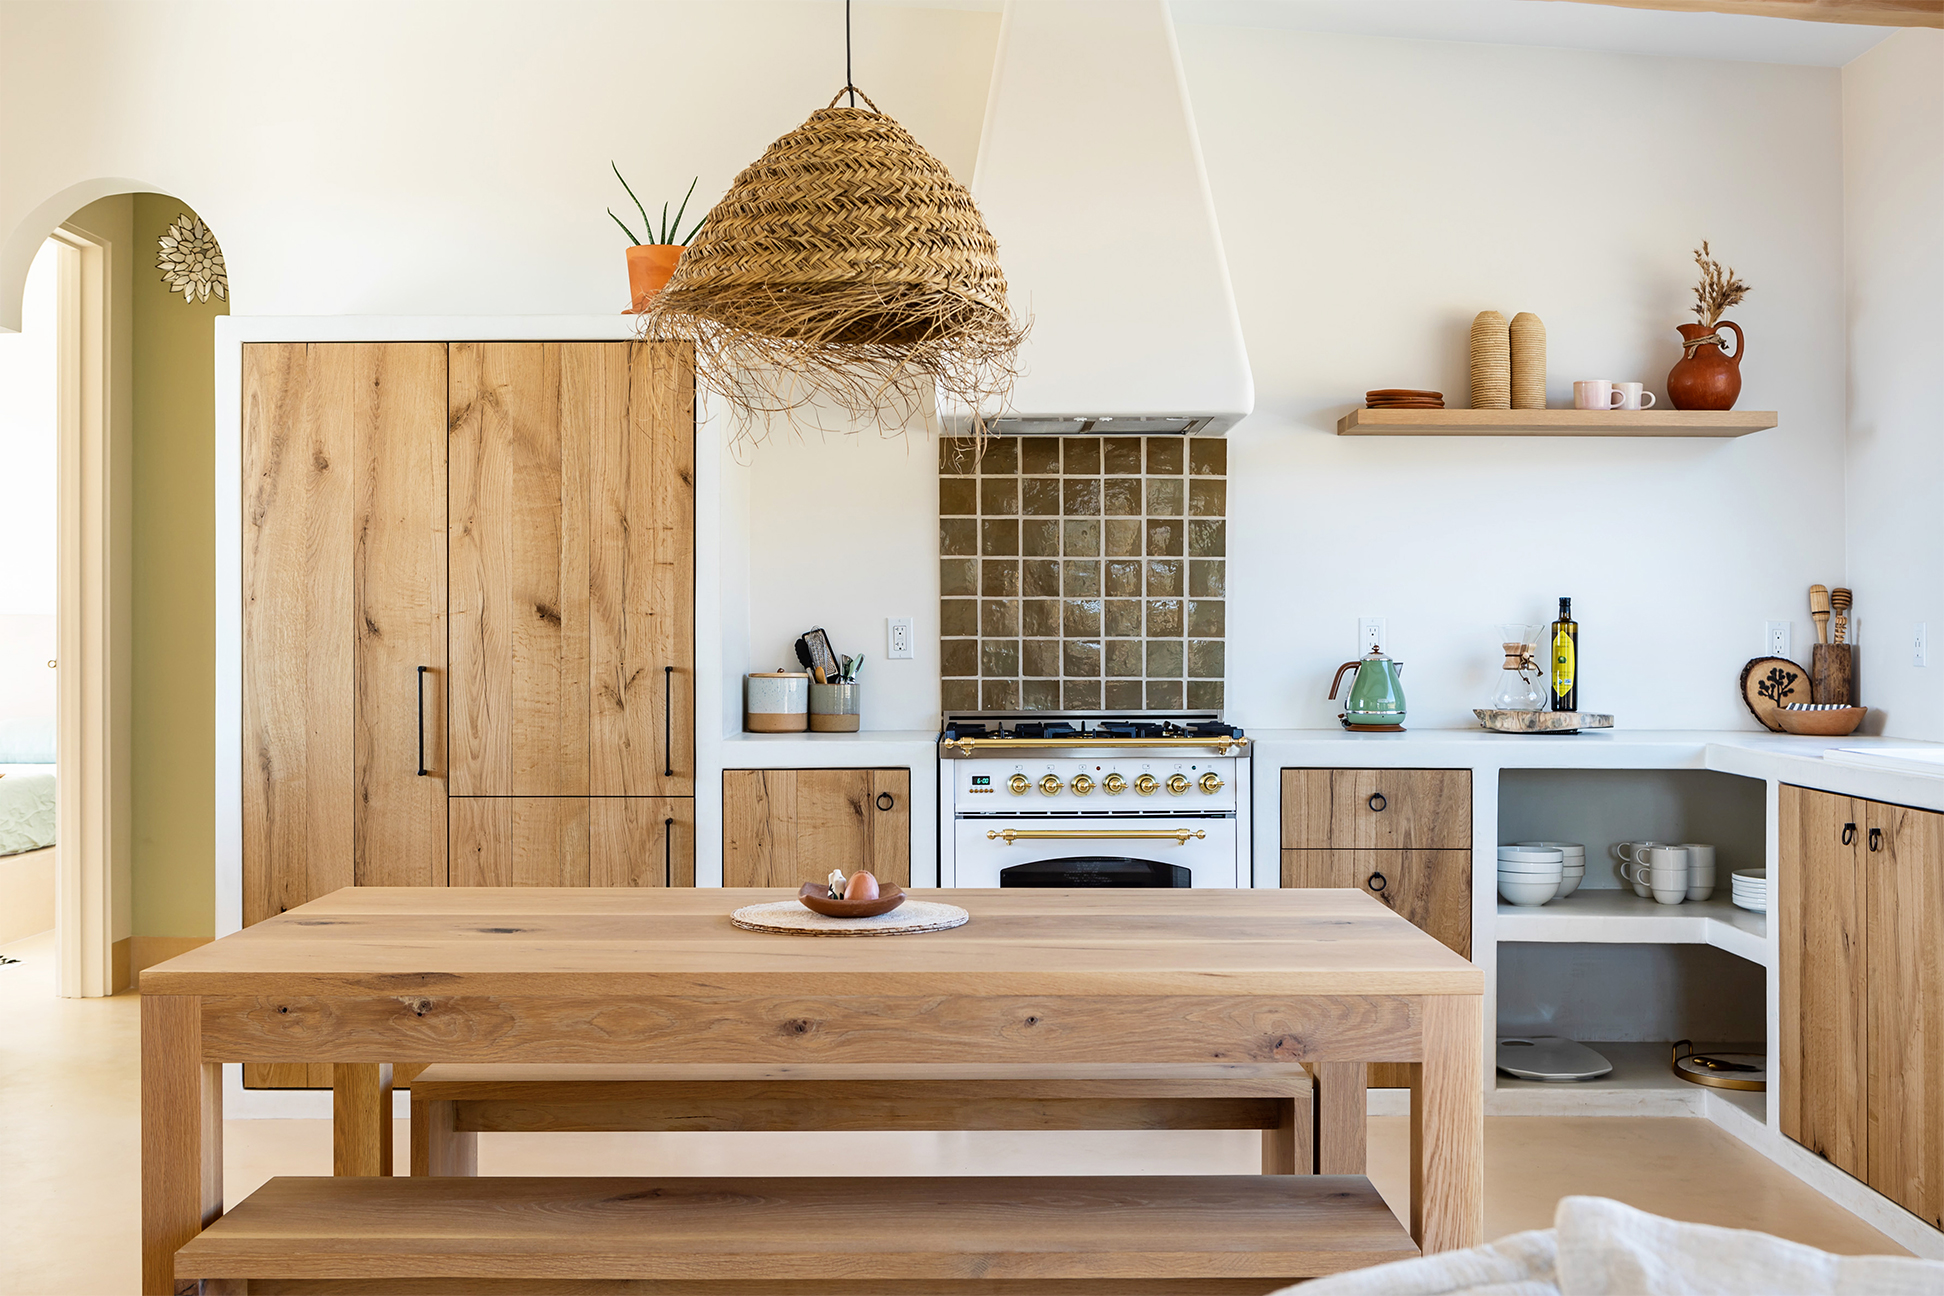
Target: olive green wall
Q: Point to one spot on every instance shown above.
(172, 770)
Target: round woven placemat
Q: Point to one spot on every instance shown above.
(791, 918)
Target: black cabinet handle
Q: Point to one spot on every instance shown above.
(668, 852)
(1376, 882)
(1876, 839)
(421, 720)
(885, 801)
(668, 721)
(1849, 834)
(1378, 802)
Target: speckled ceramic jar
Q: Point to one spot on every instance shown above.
(776, 701)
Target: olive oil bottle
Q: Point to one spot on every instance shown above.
(1565, 659)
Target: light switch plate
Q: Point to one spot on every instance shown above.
(898, 638)
(1371, 633)
(1775, 638)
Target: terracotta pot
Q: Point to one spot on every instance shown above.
(649, 267)
(1706, 378)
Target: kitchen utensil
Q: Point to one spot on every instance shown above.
(1719, 1070)
(1839, 602)
(1541, 722)
(776, 702)
(1819, 611)
(834, 708)
(1823, 722)
(1376, 698)
(1596, 394)
(1549, 1057)
(1701, 870)
(1770, 683)
(814, 651)
(1634, 396)
(1521, 682)
(816, 897)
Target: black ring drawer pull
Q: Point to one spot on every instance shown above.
(1849, 834)
(1876, 839)
(885, 801)
(1376, 882)
(1378, 801)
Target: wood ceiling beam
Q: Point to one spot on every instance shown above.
(1869, 13)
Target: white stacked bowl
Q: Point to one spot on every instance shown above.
(1529, 876)
(1574, 871)
(1750, 889)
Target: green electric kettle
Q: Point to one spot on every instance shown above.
(1376, 698)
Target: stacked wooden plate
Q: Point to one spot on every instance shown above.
(1403, 398)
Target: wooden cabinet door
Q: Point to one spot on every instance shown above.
(573, 841)
(343, 601)
(1824, 990)
(1902, 861)
(1431, 888)
(572, 552)
(788, 827)
(1365, 809)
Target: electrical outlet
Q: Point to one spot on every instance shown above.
(1775, 638)
(1371, 633)
(1921, 654)
(898, 638)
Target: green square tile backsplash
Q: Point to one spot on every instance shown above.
(1083, 573)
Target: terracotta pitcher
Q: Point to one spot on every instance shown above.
(650, 265)
(1705, 378)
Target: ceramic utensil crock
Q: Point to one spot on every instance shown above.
(776, 701)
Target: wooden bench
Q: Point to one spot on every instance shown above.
(453, 1104)
(1000, 1236)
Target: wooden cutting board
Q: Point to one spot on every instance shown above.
(1770, 683)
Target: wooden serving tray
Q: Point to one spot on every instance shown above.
(1541, 722)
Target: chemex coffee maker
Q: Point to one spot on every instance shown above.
(1376, 700)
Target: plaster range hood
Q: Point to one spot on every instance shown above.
(1090, 177)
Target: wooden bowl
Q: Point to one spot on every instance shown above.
(816, 898)
(1821, 724)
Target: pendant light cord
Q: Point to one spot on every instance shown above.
(849, 84)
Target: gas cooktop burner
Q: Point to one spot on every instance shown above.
(1107, 730)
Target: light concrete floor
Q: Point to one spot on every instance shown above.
(69, 1153)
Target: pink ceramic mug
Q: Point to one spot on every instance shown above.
(1596, 394)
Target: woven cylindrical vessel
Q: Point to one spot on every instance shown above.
(846, 262)
(1491, 361)
(1528, 361)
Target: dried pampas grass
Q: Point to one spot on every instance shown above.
(1718, 290)
(845, 267)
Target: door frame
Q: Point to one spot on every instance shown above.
(91, 622)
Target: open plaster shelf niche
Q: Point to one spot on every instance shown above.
(1555, 422)
(1618, 916)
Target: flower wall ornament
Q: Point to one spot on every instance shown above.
(191, 262)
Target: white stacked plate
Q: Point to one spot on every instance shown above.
(1574, 871)
(1750, 889)
(1530, 876)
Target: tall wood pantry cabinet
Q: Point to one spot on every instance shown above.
(468, 626)
(1861, 901)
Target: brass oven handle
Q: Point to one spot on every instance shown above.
(1180, 836)
(1222, 745)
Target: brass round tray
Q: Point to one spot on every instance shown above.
(1731, 1070)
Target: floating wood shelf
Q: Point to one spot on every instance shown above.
(1555, 422)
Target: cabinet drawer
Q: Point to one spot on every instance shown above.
(788, 827)
(1368, 809)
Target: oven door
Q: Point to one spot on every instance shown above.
(1206, 847)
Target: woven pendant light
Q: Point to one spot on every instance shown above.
(845, 265)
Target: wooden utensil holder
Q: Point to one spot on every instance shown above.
(1832, 674)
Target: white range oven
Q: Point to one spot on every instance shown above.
(1157, 801)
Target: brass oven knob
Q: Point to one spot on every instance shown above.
(1050, 784)
(1211, 783)
(1082, 785)
(1114, 784)
(1019, 783)
(1145, 785)
(1177, 783)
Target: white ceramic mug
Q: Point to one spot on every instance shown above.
(1667, 873)
(1634, 396)
(1701, 870)
(1596, 394)
(1634, 855)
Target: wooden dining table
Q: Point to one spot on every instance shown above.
(366, 978)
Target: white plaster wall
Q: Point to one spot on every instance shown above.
(28, 410)
(1374, 194)
(1893, 210)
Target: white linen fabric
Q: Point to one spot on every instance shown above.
(26, 808)
(1599, 1247)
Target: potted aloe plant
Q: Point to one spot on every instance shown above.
(650, 265)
